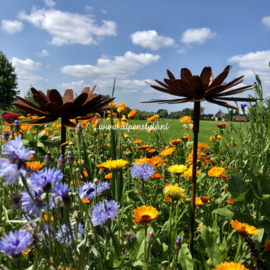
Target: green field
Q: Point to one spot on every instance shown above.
(175, 130)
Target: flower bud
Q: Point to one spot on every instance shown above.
(97, 122)
(101, 171)
(178, 243)
(78, 129)
(69, 158)
(16, 126)
(58, 201)
(61, 163)
(258, 174)
(77, 215)
(46, 161)
(96, 181)
(126, 244)
(150, 239)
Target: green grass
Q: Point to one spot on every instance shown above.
(175, 130)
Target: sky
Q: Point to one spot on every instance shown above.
(67, 44)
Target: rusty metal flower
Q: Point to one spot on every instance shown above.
(200, 88)
(54, 106)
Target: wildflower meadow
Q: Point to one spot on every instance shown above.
(107, 199)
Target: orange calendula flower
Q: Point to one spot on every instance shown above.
(186, 136)
(132, 113)
(243, 228)
(167, 152)
(100, 166)
(267, 246)
(205, 199)
(153, 118)
(185, 119)
(121, 107)
(150, 129)
(231, 266)
(216, 171)
(199, 155)
(202, 146)
(157, 176)
(108, 176)
(142, 161)
(85, 201)
(73, 182)
(145, 214)
(159, 165)
(33, 166)
(198, 202)
(200, 226)
(154, 161)
(212, 139)
(224, 176)
(152, 151)
(85, 173)
(230, 201)
(175, 142)
(218, 137)
(143, 147)
(137, 141)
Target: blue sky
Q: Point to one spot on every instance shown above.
(72, 44)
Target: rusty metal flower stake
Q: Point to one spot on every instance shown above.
(196, 89)
(54, 106)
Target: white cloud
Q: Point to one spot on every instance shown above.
(12, 27)
(266, 21)
(257, 62)
(76, 86)
(25, 64)
(43, 53)
(151, 40)
(182, 50)
(128, 86)
(49, 3)
(69, 28)
(88, 7)
(119, 67)
(104, 11)
(254, 61)
(48, 66)
(199, 35)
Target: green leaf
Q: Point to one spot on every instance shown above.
(224, 212)
(258, 236)
(133, 196)
(240, 198)
(236, 186)
(52, 144)
(185, 258)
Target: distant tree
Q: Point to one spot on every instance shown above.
(8, 81)
(163, 113)
(191, 113)
(202, 109)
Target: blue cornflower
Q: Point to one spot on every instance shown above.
(103, 212)
(13, 166)
(69, 158)
(143, 172)
(243, 106)
(87, 191)
(15, 243)
(29, 206)
(104, 186)
(46, 178)
(178, 243)
(64, 236)
(62, 191)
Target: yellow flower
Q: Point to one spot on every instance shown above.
(112, 103)
(216, 171)
(199, 155)
(231, 266)
(21, 117)
(188, 173)
(174, 192)
(198, 202)
(114, 165)
(33, 166)
(218, 137)
(185, 119)
(212, 139)
(243, 228)
(167, 152)
(177, 169)
(132, 113)
(145, 214)
(121, 107)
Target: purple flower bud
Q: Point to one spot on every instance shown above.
(69, 158)
(61, 162)
(150, 239)
(79, 129)
(178, 243)
(243, 106)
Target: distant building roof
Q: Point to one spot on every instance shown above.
(219, 114)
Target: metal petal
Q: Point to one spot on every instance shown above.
(185, 74)
(205, 76)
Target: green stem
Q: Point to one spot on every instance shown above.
(176, 259)
(170, 231)
(238, 249)
(148, 255)
(45, 258)
(143, 190)
(145, 246)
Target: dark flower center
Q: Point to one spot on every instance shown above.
(146, 218)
